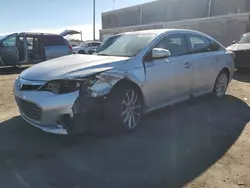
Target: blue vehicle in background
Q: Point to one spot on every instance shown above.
(30, 48)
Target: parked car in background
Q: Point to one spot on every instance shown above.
(142, 71)
(86, 47)
(23, 48)
(241, 50)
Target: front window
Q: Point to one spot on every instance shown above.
(245, 39)
(128, 45)
(10, 41)
(176, 45)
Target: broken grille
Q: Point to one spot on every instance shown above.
(29, 109)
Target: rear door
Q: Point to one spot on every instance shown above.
(203, 57)
(55, 46)
(9, 51)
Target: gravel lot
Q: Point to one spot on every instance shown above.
(204, 142)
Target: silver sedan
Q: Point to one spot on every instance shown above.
(140, 72)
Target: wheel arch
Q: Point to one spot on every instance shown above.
(125, 82)
(227, 71)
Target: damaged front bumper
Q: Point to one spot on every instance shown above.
(61, 112)
(58, 114)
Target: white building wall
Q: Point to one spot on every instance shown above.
(223, 28)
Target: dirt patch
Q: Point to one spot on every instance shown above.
(200, 143)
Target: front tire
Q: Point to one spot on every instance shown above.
(221, 84)
(125, 107)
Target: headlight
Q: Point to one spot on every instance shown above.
(68, 85)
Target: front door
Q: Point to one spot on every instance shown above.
(9, 51)
(169, 80)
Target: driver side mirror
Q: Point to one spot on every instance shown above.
(234, 42)
(157, 53)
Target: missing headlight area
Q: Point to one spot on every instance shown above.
(89, 107)
(86, 112)
(61, 86)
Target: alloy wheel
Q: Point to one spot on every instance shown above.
(221, 85)
(131, 109)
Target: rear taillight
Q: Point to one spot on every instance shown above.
(70, 47)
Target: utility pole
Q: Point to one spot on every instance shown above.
(93, 19)
(209, 8)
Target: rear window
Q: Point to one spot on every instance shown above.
(53, 41)
(215, 46)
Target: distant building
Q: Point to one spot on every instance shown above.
(171, 10)
(223, 19)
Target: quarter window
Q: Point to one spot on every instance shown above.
(199, 44)
(53, 41)
(215, 46)
(174, 43)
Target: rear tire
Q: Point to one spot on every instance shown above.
(221, 84)
(125, 107)
(81, 52)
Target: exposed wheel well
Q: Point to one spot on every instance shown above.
(128, 83)
(226, 70)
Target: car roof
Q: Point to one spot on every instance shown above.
(37, 34)
(162, 31)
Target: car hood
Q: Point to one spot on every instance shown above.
(239, 47)
(72, 66)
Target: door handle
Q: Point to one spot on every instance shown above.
(187, 65)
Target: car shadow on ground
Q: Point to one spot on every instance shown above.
(172, 147)
(242, 76)
(12, 70)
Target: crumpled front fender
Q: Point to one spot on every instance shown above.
(107, 80)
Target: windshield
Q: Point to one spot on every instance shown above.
(245, 39)
(127, 45)
(107, 43)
